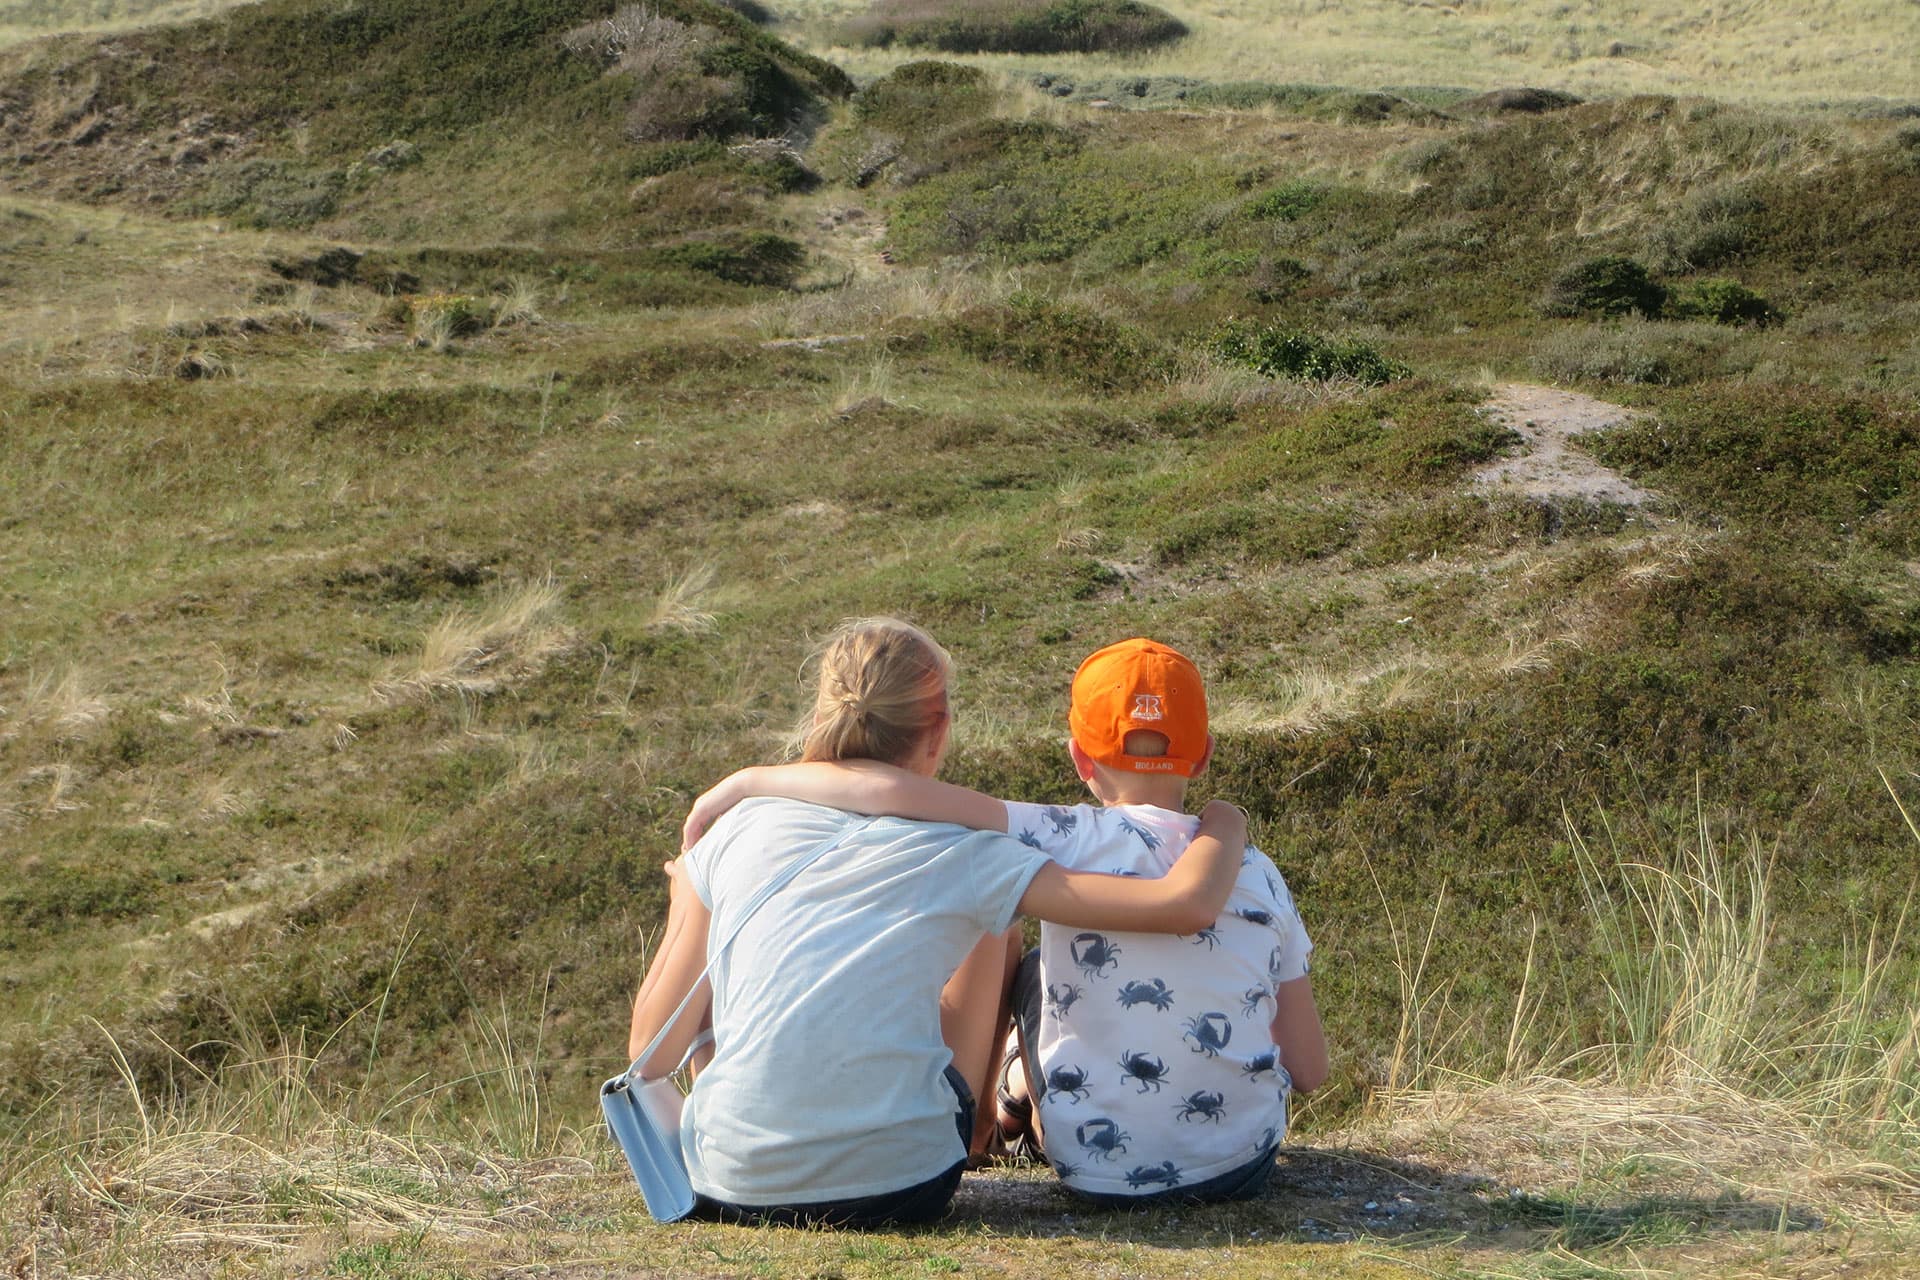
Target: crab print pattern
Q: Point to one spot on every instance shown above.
(1209, 935)
(1145, 1069)
(1101, 1138)
(1210, 1033)
(1164, 1174)
(1201, 1103)
(1193, 1079)
(1095, 954)
(1154, 993)
(1147, 837)
(1259, 1065)
(1068, 1082)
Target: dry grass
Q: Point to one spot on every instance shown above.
(478, 653)
(1700, 1139)
(262, 1166)
(59, 704)
(870, 298)
(682, 604)
(864, 390)
(1312, 698)
(518, 303)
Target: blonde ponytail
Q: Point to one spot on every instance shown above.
(882, 690)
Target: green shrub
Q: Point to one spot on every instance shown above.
(756, 258)
(1608, 286)
(1288, 201)
(1280, 352)
(1035, 333)
(1249, 532)
(752, 10)
(922, 97)
(1713, 224)
(1316, 102)
(1017, 26)
(1721, 301)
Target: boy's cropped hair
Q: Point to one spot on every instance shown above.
(1140, 685)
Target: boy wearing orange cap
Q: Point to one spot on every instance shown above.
(1161, 1064)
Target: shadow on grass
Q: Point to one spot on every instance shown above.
(1351, 1194)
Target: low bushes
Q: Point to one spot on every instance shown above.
(1039, 335)
(1017, 26)
(1721, 301)
(1778, 453)
(1279, 352)
(1619, 286)
(1608, 286)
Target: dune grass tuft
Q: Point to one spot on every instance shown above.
(469, 652)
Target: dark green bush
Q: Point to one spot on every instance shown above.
(1608, 286)
(758, 258)
(1721, 301)
(1318, 102)
(752, 10)
(1017, 26)
(1280, 352)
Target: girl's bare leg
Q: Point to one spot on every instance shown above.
(975, 1007)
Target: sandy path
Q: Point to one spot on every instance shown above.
(1548, 466)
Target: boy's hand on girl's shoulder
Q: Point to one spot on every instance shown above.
(710, 804)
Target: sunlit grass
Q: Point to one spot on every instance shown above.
(1811, 51)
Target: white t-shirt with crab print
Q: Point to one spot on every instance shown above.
(1158, 1063)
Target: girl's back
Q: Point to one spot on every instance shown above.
(828, 1073)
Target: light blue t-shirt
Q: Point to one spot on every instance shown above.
(827, 1077)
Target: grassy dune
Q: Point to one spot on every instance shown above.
(373, 615)
(1808, 52)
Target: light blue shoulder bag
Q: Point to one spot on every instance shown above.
(644, 1115)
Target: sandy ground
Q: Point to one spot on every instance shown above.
(1548, 466)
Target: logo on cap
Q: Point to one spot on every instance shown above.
(1146, 706)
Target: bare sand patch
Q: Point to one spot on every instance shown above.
(1549, 465)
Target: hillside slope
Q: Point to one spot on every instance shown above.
(289, 113)
(384, 577)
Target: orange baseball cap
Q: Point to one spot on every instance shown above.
(1140, 684)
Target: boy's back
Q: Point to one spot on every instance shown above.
(1157, 1067)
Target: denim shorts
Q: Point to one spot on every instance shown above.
(921, 1203)
(1243, 1183)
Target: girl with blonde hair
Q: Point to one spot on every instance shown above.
(842, 1007)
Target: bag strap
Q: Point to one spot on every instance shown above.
(754, 903)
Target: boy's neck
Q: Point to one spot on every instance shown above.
(1163, 791)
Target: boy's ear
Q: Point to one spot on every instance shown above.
(1082, 762)
(1206, 758)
